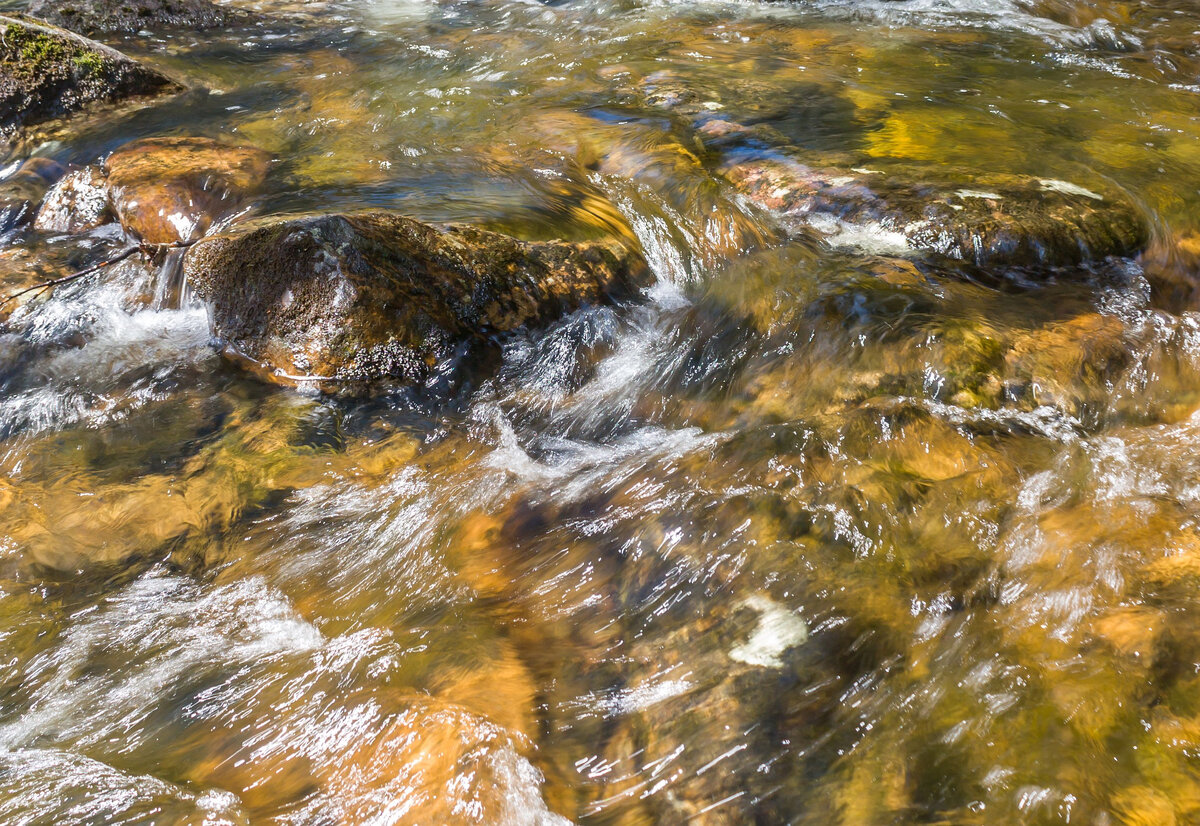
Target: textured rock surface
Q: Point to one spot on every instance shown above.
(77, 203)
(92, 17)
(46, 73)
(351, 299)
(993, 219)
(171, 189)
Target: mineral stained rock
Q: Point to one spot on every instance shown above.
(161, 190)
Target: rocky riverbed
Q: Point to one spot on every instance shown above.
(593, 412)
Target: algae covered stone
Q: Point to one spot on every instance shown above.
(47, 73)
(93, 17)
(357, 298)
(983, 219)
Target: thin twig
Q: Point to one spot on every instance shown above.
(116, 259)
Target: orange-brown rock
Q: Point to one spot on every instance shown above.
(165, 190)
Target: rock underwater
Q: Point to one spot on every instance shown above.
(985, 219)
(347, 301)
(47, 73)
(1007, 220)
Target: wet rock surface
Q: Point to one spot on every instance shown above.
(47, 73)
(77, 203)
(21, 193)
(352, 299)
(165, 190)
(161, 190)
(985, 220)
(93, 17)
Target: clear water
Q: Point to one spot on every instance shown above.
(808, 536)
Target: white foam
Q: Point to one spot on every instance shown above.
(870, 237)
(76, 385)
(977, 193)
(166, 629)
(49, 785)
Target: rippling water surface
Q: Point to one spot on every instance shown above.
(812, 534)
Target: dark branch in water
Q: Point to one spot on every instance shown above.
(149, 249)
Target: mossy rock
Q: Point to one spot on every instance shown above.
(95, 17)
(350, 300)
(48, 73)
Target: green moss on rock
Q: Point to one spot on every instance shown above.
(47, 73)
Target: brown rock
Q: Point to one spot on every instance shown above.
(47, 73)
(1130, 631)
(353, 299)
(165, 190)
(1067, 364)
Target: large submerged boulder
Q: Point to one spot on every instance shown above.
(984, 219)
(47, 73)
(350, 300)
(94, 17)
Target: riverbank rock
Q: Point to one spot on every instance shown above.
(352, 299)
(47, 73)
(994, 219)
(93, 17)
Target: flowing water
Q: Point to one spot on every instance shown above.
(810, 534)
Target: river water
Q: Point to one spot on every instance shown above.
(811, 534)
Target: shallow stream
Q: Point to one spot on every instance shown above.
(818, 532)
